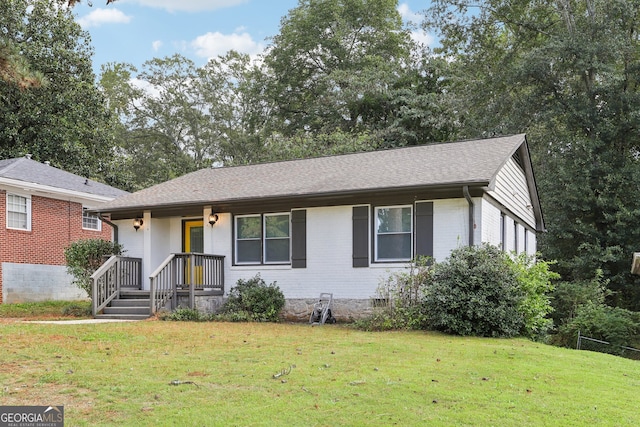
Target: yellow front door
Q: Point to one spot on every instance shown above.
(193, 232)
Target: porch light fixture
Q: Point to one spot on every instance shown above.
(213, 218)
(137, 223)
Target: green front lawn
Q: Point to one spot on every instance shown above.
(155, 373)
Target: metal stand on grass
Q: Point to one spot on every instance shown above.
(321, 312)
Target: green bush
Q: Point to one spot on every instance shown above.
(534, 279)
(84, 257)
(182, 314)
(253, 300)
(568, 297)
(475, 292)
(398, 303)
(617, 326)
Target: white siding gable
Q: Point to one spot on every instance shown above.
(511, 190)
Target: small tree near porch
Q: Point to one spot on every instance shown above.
(84, 257)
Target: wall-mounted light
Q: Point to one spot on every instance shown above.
(137, 223)
(213, 218)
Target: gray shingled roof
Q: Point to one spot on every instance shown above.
(30, 171)
(473, 162)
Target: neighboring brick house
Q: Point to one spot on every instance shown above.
(42, 211)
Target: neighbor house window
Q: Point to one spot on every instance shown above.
(393, 233)
(18, 212)
(263, 239)
(90, 221)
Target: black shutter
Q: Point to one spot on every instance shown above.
(360, 236)
(424, 229)
(299, 239)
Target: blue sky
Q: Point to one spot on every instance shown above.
(134, 31)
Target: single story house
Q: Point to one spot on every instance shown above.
(335, 224)
(42, 210)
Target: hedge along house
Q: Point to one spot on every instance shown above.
(333, 224)
(42, 210)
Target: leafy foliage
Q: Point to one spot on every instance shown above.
(84, 257)
(615, 325)
(568, 297)
(253, 300)
(63, 121)
(565, 73)
(399, 300)
(534, 280)
(475, 292)
(183, 314)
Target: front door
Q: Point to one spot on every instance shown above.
(193, 236)
(193, 241)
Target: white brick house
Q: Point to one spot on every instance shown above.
(338, 224)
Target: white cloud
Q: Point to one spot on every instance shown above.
(414, 19)
(103, 16)
(189, 5)
(423, 37)
(156, 45)
(210, 45)
(408, 15)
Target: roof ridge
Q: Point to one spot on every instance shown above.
(11, 165)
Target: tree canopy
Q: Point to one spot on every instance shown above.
(566, 73)
(63, 121)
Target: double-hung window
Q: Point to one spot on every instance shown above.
(393, 233)
(263, 239)
(90, 221)
(18, 212)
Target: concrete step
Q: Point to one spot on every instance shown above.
(134, 293)
(130, 302)
(122, 316)
(144, 310)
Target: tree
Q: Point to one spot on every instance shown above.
(84, 257)
(333, 63)
(15, 69)
(63, 121)
(566, 73)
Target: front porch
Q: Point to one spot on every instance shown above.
(118, 292)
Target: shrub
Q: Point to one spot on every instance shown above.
(398, 303)
(534, 280)
(615, 325)
(182, 314)
(475, 292)
(253, 300)
(84, 257)
(568, 297)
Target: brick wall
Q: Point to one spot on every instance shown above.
(54, 225)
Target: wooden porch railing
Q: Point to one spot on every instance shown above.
(185, 271)
(116, 273)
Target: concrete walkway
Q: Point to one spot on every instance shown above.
(79, 321)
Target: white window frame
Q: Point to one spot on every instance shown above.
(27, 212)
(88, 218)
(236, 239)
(265, 238)
(376, 234)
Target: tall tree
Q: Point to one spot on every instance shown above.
(566, 72)
(63, 121)
(333, 63)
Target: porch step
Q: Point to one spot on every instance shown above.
(122, 316)
(133, 304)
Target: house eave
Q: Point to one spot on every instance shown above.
(292, 201)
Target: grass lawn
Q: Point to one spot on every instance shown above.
(156, 373)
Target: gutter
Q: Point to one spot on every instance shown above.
(114, 226)
(465, 191)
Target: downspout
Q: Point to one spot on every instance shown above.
(465, 191)
(114, 226)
